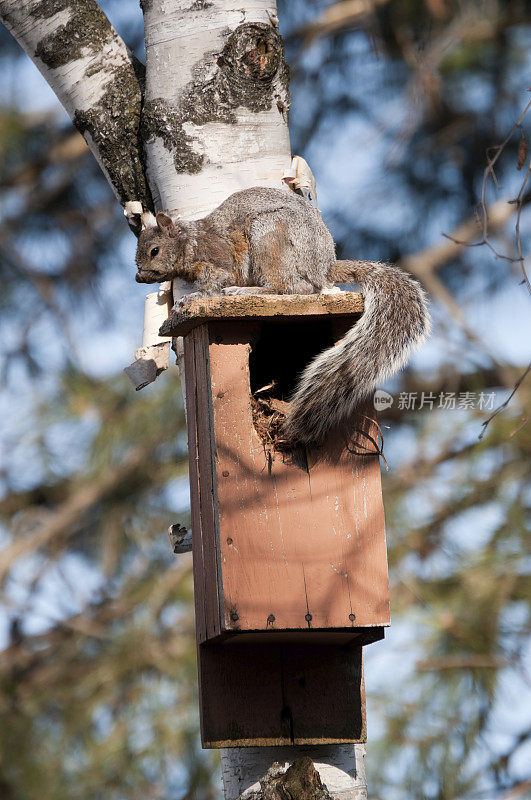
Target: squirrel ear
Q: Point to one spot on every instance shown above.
(164, 222)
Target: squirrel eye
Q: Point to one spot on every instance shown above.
(154, 252)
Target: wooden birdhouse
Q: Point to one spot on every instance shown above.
(290, 566)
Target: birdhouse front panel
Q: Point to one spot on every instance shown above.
(285, 544)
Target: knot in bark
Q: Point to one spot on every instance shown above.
(252, 59)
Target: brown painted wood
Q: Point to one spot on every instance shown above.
(208, 309)
(299, 549)
(281, 694)
(290, 565)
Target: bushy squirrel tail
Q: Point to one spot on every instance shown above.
(394, 322)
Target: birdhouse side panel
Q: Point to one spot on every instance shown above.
(203, 489)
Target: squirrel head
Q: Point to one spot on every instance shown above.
(161, 251)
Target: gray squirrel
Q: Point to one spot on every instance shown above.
(270, 241)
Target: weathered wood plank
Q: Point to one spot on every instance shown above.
(207, 482)
(197, 312)
(349, 570)
(281, 694)
(195, 499)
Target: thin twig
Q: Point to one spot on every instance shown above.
(493, 155)
(366, 451)
(506, 403)
(520, 202)
(497, 150)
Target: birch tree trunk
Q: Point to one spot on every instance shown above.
(341, 768)
(214, 121)
(217, 98)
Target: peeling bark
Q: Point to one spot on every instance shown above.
(94, 76)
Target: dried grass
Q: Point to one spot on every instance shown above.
(269, 414)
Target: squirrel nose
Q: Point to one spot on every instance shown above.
(139, 278)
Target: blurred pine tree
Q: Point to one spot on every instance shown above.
(97, 668)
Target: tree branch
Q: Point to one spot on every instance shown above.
(462, 661)
(95, 77)
(339, 17)
(493, 155)
(64, 519)
(425, 264)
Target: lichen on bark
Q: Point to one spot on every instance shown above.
(87, 29)
(250, 72)
(160, 120)
(113, 122)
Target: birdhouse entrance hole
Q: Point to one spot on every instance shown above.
(281, 351)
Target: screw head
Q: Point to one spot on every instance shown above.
(234, 617)
(225, 473)
(352, 617)
(308, 617)
(271, 619)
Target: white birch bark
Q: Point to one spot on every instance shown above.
(215, 119)
(341, 768)
(94, 76)
(230, 115)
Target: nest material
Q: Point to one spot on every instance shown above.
(269, 414)
(363, 436)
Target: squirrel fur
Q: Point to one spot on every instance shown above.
(271, 241)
